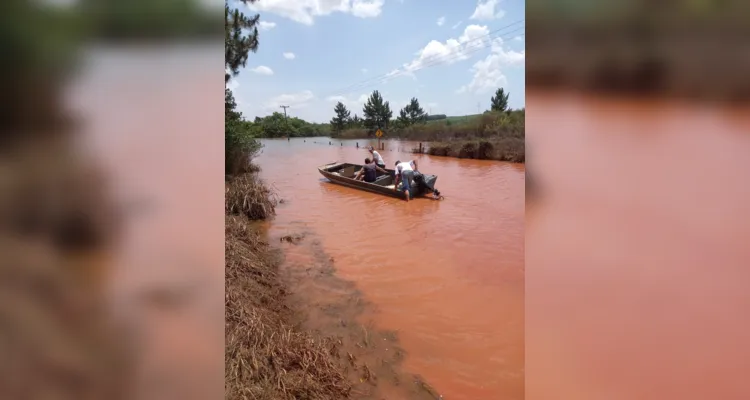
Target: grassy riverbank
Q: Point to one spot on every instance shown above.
(503, 149)
(266, 356)
(489, 136)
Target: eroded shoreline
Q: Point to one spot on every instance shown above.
(294, 329)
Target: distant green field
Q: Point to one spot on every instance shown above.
(455, 120)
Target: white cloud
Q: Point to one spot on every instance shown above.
(518, 38)
(232, 85)
(488, 75)
(367, 9)
(433, 105)
(350, 102)
(457, 24)
(266, 26)
(485, 11)
(305, 11)
(293, 100)
(289, 56)
(451, 51)
(441, 21)
(262, 70)
(364, 70)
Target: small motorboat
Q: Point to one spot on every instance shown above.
(344, 173)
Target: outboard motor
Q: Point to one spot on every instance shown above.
(421, 182)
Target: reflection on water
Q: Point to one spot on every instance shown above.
(448, 275)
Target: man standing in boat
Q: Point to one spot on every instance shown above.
(376, 157)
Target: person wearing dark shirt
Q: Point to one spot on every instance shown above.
(369, 171)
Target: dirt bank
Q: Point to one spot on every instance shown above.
(505, 149)
(293, 333)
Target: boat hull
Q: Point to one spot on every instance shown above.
(342, 174)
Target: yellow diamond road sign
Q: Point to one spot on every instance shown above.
(379, 133)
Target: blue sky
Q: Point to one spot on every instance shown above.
(451, 55)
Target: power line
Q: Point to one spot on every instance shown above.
(477, 39)
(446, 60)
(429, 60)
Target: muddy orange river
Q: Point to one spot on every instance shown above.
(448, 275)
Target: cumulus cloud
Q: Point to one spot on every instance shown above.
(350, 102)
(293, 100)
(441, 21)
(366, 9)
(488, 75)
(266, 26)
(289, 56)
(305, 11)
(448, 52)
(485, 11)
(262, 70)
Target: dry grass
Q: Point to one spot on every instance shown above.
(266, 358)
(247, 194)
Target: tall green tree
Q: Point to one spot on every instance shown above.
(499, 101)
(376, 112)
(339, 122)
(240, 38)
(411, 114)
(355, 122)
(402, 121)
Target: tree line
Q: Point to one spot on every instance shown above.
(377, 114)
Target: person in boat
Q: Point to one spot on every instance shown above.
(405, 174)
(369, 171)
(376, 157)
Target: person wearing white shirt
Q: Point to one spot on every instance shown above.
(376, 157)
(405, 174)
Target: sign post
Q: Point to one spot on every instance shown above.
(379, 134)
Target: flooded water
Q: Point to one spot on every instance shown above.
(447, 276)
(637, 249)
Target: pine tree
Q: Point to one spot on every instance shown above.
(339, 122)
(499, 101)
(355, 122)
(377, 113)
(237, 43)
(239, 145)
(416, 113)
(411, 114)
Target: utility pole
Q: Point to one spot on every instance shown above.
(286, 121)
